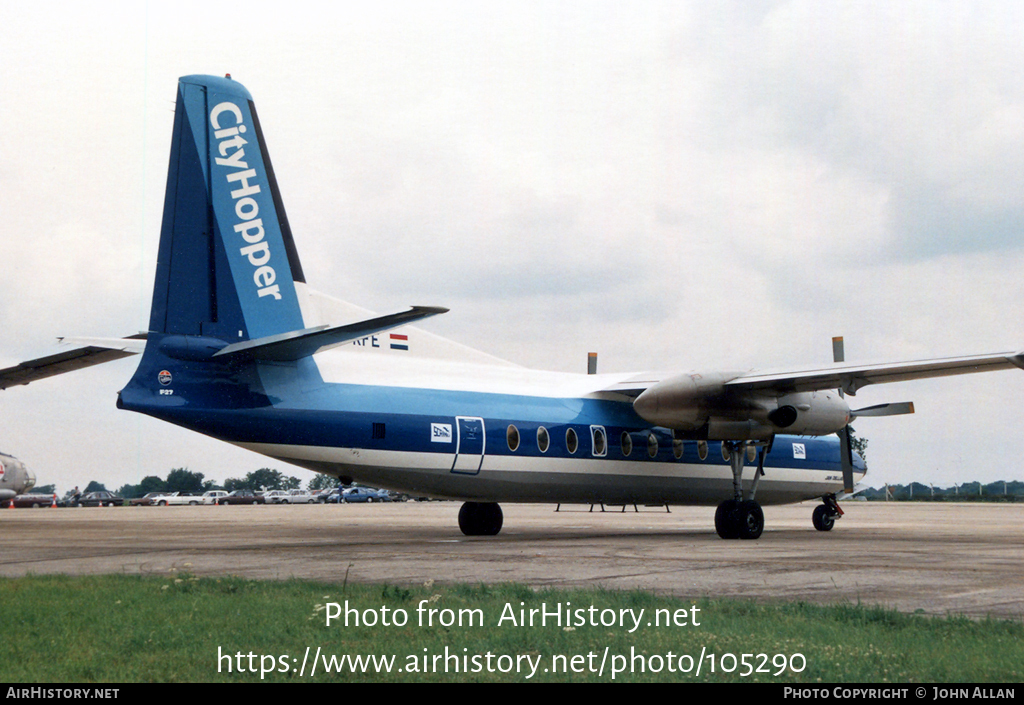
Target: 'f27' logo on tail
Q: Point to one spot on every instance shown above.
(228, 123)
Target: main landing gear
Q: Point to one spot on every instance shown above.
(480, 518)
(740, 518)
(826, 513)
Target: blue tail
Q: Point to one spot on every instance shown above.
(227, 267)
(227, 264)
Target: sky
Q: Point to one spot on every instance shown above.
(674, 185)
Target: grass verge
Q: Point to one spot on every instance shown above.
(179, 628)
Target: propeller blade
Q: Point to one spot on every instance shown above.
(897, 409)
(838, 350)
(846, 458)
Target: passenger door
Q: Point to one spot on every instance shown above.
(470, 443)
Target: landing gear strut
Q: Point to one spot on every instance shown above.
(740, 518)
(826, 513)
(480, 518)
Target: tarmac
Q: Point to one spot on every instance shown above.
(935, 558)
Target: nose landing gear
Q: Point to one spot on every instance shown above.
(826, 513)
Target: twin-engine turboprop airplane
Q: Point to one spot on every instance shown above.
(239, 348)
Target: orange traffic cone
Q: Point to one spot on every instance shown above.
(54, 504)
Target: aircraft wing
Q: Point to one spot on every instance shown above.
(94, 352)
(850, 378)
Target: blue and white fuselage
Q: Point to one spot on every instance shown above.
(414, 412)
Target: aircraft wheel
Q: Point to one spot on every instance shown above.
(480, 518)
(751, 520)
(822, 518)
(727, 520)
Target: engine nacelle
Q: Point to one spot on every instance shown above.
(702, 405)
(810, 413)
(684, 402)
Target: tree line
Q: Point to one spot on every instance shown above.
(185, 480)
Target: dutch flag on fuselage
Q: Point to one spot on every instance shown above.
(399, 341)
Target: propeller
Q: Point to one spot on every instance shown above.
(845, 448)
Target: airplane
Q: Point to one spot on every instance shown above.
(15, 477)
(239, 348)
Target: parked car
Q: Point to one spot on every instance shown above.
(330, 496)
(148, 500)
(241, 497)
(321, 495)
(297, 497)
(274, 496)
(212, 496)
(30, 500)
(178, 498)
(100, 499)
(360, 494)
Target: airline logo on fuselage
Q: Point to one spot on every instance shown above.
(228, 123)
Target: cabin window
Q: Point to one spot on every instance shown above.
(571, 442)
(627, 444)
(652, 445)
(513, 438)
(677, 448)
(702, 450)
(543, 439)
(726, 455)
(378, 431)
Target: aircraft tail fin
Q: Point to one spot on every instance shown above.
(227, 264)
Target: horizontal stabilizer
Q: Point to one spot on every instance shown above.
(96, 352)
(288, 347)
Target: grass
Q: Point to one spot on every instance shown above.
(179, 628)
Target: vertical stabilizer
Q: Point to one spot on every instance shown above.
(227, 264)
